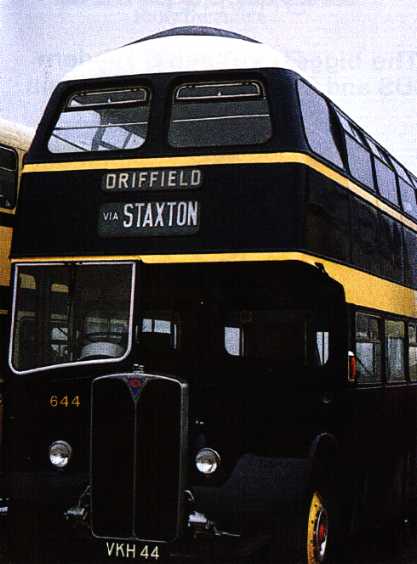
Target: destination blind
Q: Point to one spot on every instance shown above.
(143, 219)
(152, 179)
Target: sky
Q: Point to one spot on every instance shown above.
(361, 53)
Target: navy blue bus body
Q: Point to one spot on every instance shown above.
(284, 425)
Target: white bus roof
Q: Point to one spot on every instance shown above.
(15, 135)
(182, 50)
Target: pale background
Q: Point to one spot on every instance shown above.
(362, 53)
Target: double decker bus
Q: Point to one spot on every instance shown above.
(213, 345)
(14, 142)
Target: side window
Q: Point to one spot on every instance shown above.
(412, 351)
(285, 336)
(385, 176)
(159, 331)
(280, 335)
(413, 179)
(408, 198)
(102, 120)
(8, 177)
(359, 157)
(317, 124)
(400, 169)
(359, 162)
(322, 347)
(386, 182)
(219, 114)
(368, 348)
(410, 258)
(364, 234)
(394, 350)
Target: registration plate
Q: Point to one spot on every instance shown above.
(151, 552)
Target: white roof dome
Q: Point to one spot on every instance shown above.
(182, 50)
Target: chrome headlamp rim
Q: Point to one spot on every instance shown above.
(210, 464)
(60, 453)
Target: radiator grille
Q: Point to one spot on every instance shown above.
(138, 441)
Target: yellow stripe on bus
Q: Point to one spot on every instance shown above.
(207, 160)
(361, 288)
(6, 210)
(5, 241)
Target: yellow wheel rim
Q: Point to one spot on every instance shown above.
(317, 531)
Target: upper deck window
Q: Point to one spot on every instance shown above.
(386, 182)
(385, 176)
(408, 198)
(102, 120)
(317, 124)
(400, 169)
(359, 157)
(377, 151)
(219, 114)
(413, 179)
(8, 177)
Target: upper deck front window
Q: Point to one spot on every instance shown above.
(102, 120)
(219, 114)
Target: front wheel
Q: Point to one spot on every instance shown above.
(303, 532)
(317, 530)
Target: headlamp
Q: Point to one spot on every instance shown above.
(207, 461)
(60, 453)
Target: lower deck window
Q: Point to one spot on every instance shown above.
(285, 336)
(394, 343)
(368, 348)
(160, 331)
(412, 351)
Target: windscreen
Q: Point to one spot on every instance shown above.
(65, 314)
(102, 120)
(215, 115)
